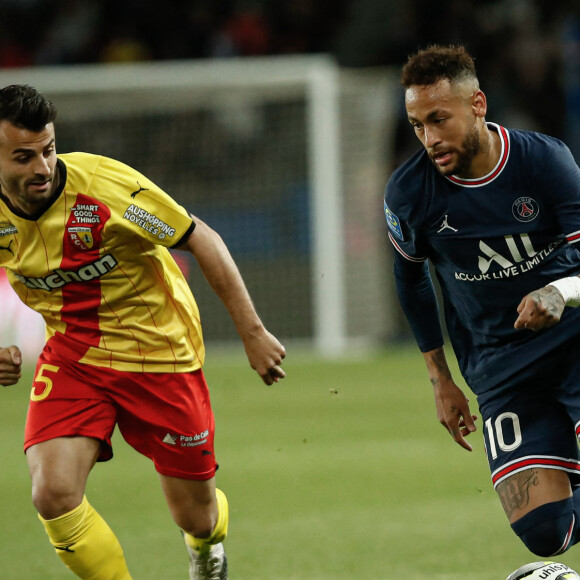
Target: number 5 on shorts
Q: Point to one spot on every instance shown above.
(40, 378)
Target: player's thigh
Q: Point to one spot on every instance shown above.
(530, 444)
(169, 419)
(531, 488)
(68, 399)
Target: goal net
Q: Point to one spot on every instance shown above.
(285, 157)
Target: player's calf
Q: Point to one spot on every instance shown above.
(207, 557)
(549, 529)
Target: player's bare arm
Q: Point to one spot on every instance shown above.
(10, 365)
(451, 403)
(265, 353)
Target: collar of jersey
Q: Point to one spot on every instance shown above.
(504, 137)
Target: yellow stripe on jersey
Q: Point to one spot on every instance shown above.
(95, 264)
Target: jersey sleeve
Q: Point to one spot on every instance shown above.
(419, 302)
(140, 206)
(404, 232)
(564, 186)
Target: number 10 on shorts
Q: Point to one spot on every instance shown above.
(495, 433)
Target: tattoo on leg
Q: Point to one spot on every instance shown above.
(514, 493)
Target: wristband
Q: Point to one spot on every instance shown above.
(569, 288)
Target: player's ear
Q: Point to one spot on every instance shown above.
(479, 103)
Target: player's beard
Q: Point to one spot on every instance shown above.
(470, 148)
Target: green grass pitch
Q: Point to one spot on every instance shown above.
(340, 472)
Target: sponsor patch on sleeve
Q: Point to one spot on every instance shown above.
(394, 223)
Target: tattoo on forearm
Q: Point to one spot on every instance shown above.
(514, 493)
(439, 363)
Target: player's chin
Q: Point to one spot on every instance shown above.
(446, 170)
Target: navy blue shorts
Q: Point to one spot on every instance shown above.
(533, 420)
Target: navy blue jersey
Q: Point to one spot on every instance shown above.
(492, 241)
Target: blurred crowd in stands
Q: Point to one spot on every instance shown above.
(527, 51)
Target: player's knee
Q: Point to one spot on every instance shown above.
(549, 529)
(198, 523)
(52, 501)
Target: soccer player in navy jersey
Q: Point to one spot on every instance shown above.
(85, 242)
(496, 212)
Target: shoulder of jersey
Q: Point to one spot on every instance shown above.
(409, 178)
(79, 160)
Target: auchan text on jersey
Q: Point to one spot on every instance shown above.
(60, 277)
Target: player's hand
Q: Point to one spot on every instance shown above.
(265, 353)
(10, 365)
(453, 411)
(540, 309)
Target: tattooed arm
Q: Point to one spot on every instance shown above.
(540, 309)
(451, 403)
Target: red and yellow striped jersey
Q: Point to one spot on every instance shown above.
(95, 263)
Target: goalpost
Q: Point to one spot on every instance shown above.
(286, 157)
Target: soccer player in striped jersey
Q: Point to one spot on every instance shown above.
(85, 242)
(496, 212)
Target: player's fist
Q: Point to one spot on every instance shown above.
(540, 309)
(10, 365)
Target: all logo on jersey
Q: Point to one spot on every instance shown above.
(516, 256)
(394, 223)
(525, 209)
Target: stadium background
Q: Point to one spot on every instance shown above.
(345, 462)
(243, 165)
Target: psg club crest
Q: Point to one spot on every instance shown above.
(525, 209)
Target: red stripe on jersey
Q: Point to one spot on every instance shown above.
(572, 238)
(400, 250)
(491, 176)
(81, 300)
(528, 462)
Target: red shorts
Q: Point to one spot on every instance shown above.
(165, 416)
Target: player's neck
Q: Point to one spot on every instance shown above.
(488, 157)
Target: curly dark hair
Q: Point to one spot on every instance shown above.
(435, 63)
(25, 107)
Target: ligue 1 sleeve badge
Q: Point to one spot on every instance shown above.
(525, 209)
(394, 223)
